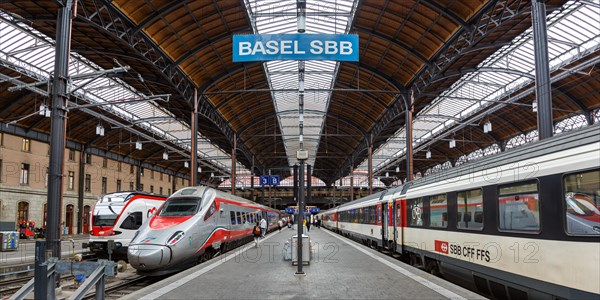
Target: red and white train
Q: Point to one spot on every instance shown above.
(117, 217)
(523, 224)
(193, 225)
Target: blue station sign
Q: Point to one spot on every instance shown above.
(264, 47)
(272, 180)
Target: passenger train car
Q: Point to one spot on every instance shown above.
(522, 224)
(117, 217)
(192, 226)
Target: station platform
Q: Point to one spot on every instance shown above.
(25, 253)
(339, 269)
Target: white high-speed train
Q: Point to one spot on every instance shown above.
(522, 224)
(192, 226)
(117, 217)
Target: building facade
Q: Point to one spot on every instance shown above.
(24, 182)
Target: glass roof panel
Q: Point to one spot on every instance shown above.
(27, 50)
(280, 17)
(572, 32)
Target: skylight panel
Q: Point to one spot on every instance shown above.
(572, 36)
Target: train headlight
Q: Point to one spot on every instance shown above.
(175, 238)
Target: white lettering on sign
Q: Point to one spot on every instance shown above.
(345, 48)
(316, 47)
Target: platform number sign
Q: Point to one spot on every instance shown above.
(269, 180)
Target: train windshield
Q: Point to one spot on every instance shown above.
(106, 215)
(180, 207)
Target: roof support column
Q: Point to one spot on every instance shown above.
(252, 181)
(57, 128)
(351, 181)
(370, 167)
(233, 163)
(194, 150)
(296, 184)
(308, 184)
(138, 177)
(408, 101)
(173, 183)
(542, 70)
(80, 189)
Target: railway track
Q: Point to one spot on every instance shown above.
(125, 286)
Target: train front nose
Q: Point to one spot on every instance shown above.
(148, 257)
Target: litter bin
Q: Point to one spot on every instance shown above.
(305, 249)
(9, 240)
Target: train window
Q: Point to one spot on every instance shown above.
(398, 215)
(232, 215)
(438, 207)
(415, 209)
(211, 210)
(469, 203)
(238, 217)
(180, 207)
(519, 207)
(133, 221)
(582, 200)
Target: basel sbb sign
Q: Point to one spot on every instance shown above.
(264, 47)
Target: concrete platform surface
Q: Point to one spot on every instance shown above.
(339, 269)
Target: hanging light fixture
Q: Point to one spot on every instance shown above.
(166, 155)
(212, 174)
(452, 143)
(199, 169)
(397, 169)
(138, 145)
(428, 154)
(100, 129)
(387, 174)
(186, 164)
(44, 110)
(487, 126)
(534, 106)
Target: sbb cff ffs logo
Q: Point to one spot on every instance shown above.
(441, 246)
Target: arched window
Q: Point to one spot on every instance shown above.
(86, 219)
(69, 219)
(22, 212)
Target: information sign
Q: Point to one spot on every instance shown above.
(265, 47)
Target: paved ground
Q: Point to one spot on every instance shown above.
(339, 269)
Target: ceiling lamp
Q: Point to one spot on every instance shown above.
(397, 169)
(534, 106)
(186, 164)
(199, 169)
(387, 174)
(166, 155)
(301, 12)
(100, 129)
(487, 127)
(428, 154)
(138, 145)
(452, 143)
(44, 110)
(212, 174)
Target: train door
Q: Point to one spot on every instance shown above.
(384, 224)
(399, 225)
(394, 228)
